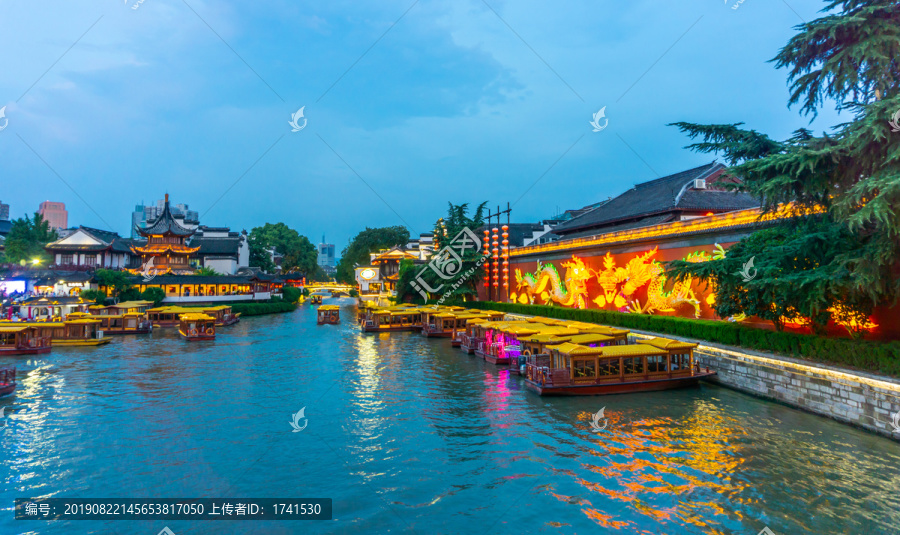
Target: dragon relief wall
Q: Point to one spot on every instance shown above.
(624, 282)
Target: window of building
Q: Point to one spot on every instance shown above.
(90, 260)
(65, 260)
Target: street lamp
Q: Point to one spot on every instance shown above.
(36, 261)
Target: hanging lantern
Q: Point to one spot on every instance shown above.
(496, 256)
(487, 268)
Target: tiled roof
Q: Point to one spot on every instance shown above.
(673, 193)
(165, 224)
(217, 246)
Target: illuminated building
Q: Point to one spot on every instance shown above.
(166, 246)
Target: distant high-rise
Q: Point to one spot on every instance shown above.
(4, 212)
(326, 256)
(55, 214)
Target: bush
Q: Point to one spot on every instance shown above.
(131, 293)
(353, 293)
(97, 296)
(258, 309)
(883, 357)
(291, 294)
(154, 294)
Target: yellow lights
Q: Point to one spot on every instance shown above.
(36, 261)
(717, 222)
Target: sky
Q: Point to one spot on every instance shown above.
(406, 104)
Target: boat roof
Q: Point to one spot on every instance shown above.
(665, 343)
(218, 307)
(14, 328)
(590, 338)
(632, 350)
(174, 309)
(131, 304)
(329, 307)
(196, 316)
(543, 337)
(603, 329)
(575, 349)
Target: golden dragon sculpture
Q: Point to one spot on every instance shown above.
(546, 283)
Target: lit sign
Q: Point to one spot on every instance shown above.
(367, 274)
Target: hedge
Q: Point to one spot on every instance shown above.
(882, 357)
(256, 309)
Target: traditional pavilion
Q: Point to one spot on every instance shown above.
(388, 265)
(166, 251)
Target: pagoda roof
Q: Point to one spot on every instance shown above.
(165, 225)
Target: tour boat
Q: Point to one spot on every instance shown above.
(127, 323)
(396, 319)
(573, 369)
(22, 339)
(7, 381)
(74, 331)
(222, 314)
(484, 334)
(197, 326)
(328, 314)
(169, 316)
(315, 299)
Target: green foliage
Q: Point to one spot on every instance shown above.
(299, 254)
(113, 280)
(791, 274)
(365, 243)
(847, 56)
(154, 294)
(462, 283)
(97, 296)
(132, 293)
(861, 354)
(258, 309)
(407, 274)
(26, 240)
(353, 293)
(291, 294)
(205, 270)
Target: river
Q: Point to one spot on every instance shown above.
(409, 435)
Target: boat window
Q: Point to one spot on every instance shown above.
(585, 368)
(656, 363)
(608, 367)
(634, 365)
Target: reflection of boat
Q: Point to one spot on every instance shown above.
(330, 314)
(74, 331)
(7, 381)
(197, 326)
(22, 339)
(573, 369)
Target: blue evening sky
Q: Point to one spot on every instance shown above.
(457, 100)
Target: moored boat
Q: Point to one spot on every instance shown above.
(330, 314)
(393, 319)
(168, 316)
(22, 339)
(315, 299)
(195, 326)
(74, 331)
(7, 380)
(573, 369)
(222, 314)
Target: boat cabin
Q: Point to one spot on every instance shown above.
(126, 323)
(19, 339)
(329, 314)
(315, 299)
(386, 320)
(440, 324)
(73, 332)
(574, 369)
(168, 316)
(222, 314)
(195, 326)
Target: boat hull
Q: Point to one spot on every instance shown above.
(196, 338)
(7, 389)
(390, 329)
(496, 360)
(455, 343)
(617, 388)
(80, 343)
(144, 330)
(25, 350)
